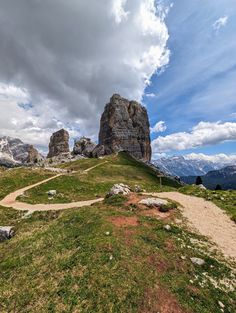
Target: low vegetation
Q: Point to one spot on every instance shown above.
(96, 183)
(226, 200)
(81, 261)
(13, 179)
(111, 257)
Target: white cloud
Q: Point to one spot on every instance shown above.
(203, 134)
(118, 10)
(150, 95)
(71, 56)
(217, 158)
(221, 22)
(159, 127)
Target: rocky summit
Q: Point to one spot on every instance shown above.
(84, 146)
(59, 144)
(124, 126)
(15, 152)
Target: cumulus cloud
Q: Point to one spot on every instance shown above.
(217, 158)
(221, 22)
(69, 57)
(159, 127)
(203, 134)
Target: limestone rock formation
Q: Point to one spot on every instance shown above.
(15, 152)
(59, 144)
(84, 146)
(33, 155)
(125, 126)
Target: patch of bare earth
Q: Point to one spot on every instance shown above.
(160, 300)
(134, 199)
(123, 221)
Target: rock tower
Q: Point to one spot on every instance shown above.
(124, 126)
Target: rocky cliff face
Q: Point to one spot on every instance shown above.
(59, 143)
(13, 151)
(125, 126)
(84, 146)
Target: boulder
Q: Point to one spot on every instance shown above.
(6, 232)
(198, 261)
(119, 189)
(124, 126)
(52, 193)
(153, 202)
(84, 146)
(59, 144)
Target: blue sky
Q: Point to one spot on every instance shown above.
(61, 61)
(199, 82)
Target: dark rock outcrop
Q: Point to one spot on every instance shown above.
(125, 126)
(59, 144)
(84, 146)
(6, 232)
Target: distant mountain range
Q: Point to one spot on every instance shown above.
(14, 152)
(225, 177)
(193, 165)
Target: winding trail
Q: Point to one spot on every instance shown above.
(208, 219)
(10, 200)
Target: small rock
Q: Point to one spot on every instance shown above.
(137, 188)
(183, 257)
(111, 257)
(52, 193)
(202, 187)
(107, 233)
(197, 261)
(167, 227)
(153, 202)
(221, 304)
(6, 232)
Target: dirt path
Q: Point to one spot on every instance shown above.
(10, 200)
(91, 168)
(208, 219)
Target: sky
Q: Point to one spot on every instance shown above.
(61, 61)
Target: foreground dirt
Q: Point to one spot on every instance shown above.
(208, 219)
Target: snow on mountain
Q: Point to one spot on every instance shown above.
(13, 151)
(194, 164)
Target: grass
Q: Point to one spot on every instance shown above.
(78, 261)
(226, 200)
(13, 179)
(96, 183)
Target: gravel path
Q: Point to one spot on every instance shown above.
(10, 200)
(208, 219)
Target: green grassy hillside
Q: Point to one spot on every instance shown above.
(114, 169)
(111, 257)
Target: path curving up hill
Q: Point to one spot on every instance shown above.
(208, 219)
(10, 200)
